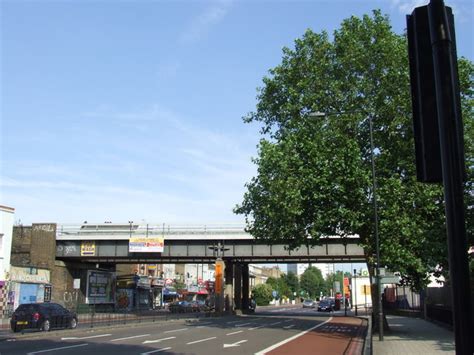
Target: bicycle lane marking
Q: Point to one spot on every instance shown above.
(277, 345)
(340, 336)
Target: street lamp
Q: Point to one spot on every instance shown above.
(376, 219)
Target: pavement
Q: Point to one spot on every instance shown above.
(408, 335)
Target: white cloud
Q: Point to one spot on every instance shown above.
(173, 171)
(407, 6)
(201, 24)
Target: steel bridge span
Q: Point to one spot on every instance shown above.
(193, 244)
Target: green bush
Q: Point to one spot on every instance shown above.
(262, 294)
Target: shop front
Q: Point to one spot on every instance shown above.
(28, 285)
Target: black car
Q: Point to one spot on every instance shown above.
(181, 307)
(42, 316)
(326, 305)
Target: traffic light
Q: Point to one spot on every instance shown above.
(423, 94)
(424, 32)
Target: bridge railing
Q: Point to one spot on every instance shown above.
(147, 229)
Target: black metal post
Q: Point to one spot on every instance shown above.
(452, 162)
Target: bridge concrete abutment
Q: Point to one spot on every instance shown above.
(229, 287)
(238, 286)
(245, 287)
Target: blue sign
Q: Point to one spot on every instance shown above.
(274, 294)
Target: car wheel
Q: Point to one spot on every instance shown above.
(46, 327)
(73, 323)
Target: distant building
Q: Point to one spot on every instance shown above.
(299, 269)
(6, 231)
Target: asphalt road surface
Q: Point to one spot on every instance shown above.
(275, 331)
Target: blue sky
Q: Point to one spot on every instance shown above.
(131, 110)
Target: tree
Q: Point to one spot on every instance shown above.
(293, 283)
(314, 174)
(330, 279)
(262, 294)
(312, 282)
(279, 285)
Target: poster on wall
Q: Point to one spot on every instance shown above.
(100, 287)
(146, 245)
(124, 299)
(87, 248)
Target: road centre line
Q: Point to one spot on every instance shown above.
(132, 337)
(175, 330)
(237, 332)
(289, 326)
(270, 348)
(54, 349)
(156, 351)
(200, 341)
(260, 326)
(234, 321)
(88, 337)
(288, 320)
(275, 323)
(241, 325)
(157, 340)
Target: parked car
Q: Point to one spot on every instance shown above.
(42, 316)
(326, 305)
(309, 304)
(181, 307)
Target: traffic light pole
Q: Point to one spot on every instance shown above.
(435, 83)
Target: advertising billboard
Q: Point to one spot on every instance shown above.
(146, 245)
(100, 287)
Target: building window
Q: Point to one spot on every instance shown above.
(47, 293)
(33, 271)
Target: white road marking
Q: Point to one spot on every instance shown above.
(234, 344)
(234, 321)
(89, 337)
(133, 337)
(156, 351)
(54, 349)
(237, 332)
(270, 348)
(157, 340)
(200, 341)
(288, 320)
(176, 330)
(241, 325)
(289, 326)
(275, 323)
(260, 326)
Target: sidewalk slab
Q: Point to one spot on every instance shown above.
(409, 335)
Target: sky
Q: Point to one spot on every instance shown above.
(132, 110)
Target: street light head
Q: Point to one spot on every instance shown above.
(317, 114)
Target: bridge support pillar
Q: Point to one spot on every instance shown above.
(238, 287)
(245, 288)
(228, 290)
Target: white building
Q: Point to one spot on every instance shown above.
(299, 269)
(6, 231)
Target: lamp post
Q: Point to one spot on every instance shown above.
(376, 219)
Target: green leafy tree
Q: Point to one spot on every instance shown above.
(279, 285)
(329, 282)
(262, 294)
(312, 282)
(293, 284)
(314, 173)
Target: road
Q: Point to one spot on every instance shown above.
(275, 331)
